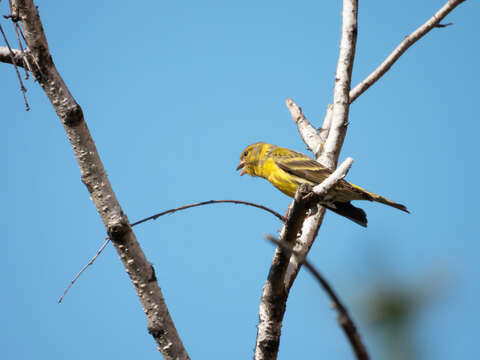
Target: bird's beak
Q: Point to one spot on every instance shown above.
(241, 165)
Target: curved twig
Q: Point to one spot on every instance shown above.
(92, 260)
(18, 31)
(171, 211)
(14, 63)
(156, 216)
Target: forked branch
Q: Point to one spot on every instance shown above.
(433, 22)
(339, 125)
(274, 295)
(344, 319)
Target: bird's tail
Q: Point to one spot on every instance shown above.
(388, 202)
(349, 211)
(374, 197)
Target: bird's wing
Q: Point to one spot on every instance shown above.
(299, 165)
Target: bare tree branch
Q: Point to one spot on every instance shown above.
(171, 211)
(166, 212)
(92, 260)
(344, 318)
(334, 127)
(274, 295)
(343, 78)
(140, 270)
(272, 306)
(323, 188)
(325, 129)
(14, 62)
(18, 31)
(307, 131)
(310, 229)
(409, 40)
(312, 224)
(6, 56)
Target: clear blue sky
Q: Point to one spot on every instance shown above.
(172, 92)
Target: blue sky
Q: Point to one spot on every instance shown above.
(172, 92)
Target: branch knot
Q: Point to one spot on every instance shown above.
(73, 116)
(116, 230)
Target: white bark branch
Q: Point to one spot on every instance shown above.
(323, 188)
(332, 133)
(343, 77)
(335, 126)
(140, 270)
(274, 295)
(325, 129)
(402, 47)
(308, 133)
(344, 319)
(312, 224)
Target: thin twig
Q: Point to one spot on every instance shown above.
(92, 260)
(156, 216)
(433, 22)
(171, 211)
(443, 25)
(344, 318)
(19, 25)
(27, 67)
(12, 55)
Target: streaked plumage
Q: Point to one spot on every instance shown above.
(287, 170)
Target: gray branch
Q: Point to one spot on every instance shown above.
(339, 173)
(402, 47)
(274, 295)
(275, 292)
(93, 175)
(344, 319)
(308, 133)
(5, 56)
(343, 77)
(312, 224)
(333, 129)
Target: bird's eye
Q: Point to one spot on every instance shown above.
(245, 153)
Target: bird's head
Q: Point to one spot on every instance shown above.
(250, 158)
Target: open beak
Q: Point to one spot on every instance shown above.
(241, 165)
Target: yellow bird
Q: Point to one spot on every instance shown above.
(287, 170)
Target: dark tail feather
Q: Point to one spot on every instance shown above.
(350, 212)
